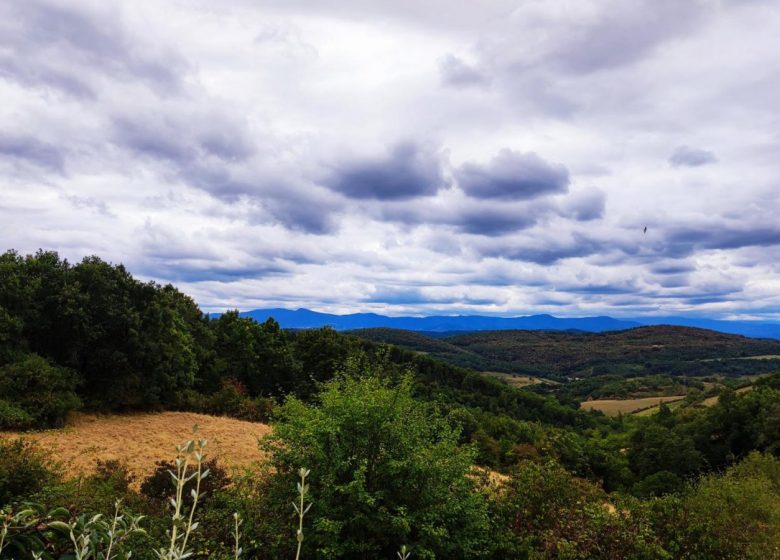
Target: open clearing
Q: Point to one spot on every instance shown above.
(141, 439)
(518, 380)
(712, 401)
(613, 407)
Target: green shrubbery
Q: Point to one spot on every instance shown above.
(385, 470)
(24, 470)
(40, 391)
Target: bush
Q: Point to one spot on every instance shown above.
(157, 486)
(24, 470)
(542, 511)
(734, 515)
(47, 393)
(14, 418)
(232, 400)
(386, 471)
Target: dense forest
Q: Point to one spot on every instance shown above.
(403, 448)
(640, 351)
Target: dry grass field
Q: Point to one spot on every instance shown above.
(712, 401)
(517, 380)
(613, 407)
(141, 439)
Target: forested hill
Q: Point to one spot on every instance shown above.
(642, 350)
(91, 335)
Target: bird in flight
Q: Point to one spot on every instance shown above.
(645, 229)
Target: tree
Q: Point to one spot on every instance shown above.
(44, 391)
(385, 471)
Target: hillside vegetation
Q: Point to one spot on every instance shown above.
(391, 446)
(560, 355)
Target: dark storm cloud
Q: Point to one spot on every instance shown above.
(408, 170)
(673, 268)
(303, 213)
(720, 236)
(493, 221)
(684, 156)
(456, 73)
(545, 253)
(185, 271)
(489, 218)
(61, 46)
(513, 176)
(31, 150)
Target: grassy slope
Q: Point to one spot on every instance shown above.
(141, 439)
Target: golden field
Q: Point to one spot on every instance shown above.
(613, 407)
(141, 439)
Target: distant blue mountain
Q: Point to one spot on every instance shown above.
(305, 319)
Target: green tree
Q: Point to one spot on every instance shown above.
(386, 471)
(44, 391)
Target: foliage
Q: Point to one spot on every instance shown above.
(566, 355)
(13, 417)
(157, 486)
(24, 470)
(733, 515)
(43, 392)
(385, 470)
(541, 511)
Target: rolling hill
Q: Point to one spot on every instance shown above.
(637, 351)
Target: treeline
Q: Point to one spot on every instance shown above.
(669, 448)
(91, 336)
(678, 351)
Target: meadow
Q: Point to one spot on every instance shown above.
(138, 440)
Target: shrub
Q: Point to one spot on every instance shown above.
(385, 470)
(232, 400)
(542, 511)
(734, 515)
(14, 418)
(45, 392)
(157, 486)
(24, 470)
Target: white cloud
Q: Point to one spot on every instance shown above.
(195, 145)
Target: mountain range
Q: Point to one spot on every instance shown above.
(306, 318)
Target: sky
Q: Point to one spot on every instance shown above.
(408, 157)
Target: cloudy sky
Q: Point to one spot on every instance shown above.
(404, 157)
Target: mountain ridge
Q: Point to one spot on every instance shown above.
(303, 318)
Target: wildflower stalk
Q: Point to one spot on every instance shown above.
(112, 532)
(189, 454)
(303, 489)
(237, 535)
(3, 533)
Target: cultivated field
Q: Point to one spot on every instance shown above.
(141, 439)
(613, 407)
